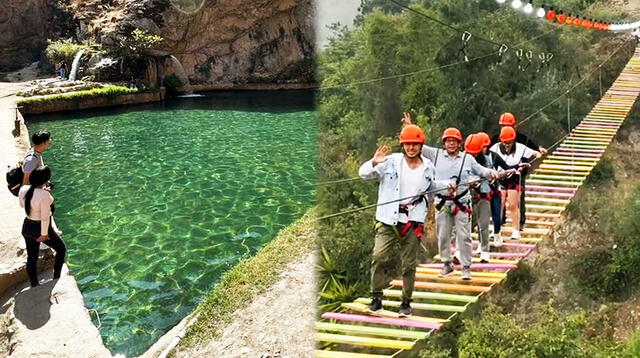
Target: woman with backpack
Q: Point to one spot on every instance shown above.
(38, 225)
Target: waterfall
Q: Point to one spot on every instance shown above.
(182, 75)
(76, 63)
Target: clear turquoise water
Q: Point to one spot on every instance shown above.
(156, 202)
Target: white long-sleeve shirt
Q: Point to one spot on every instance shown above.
(40, 206)
(389, 174)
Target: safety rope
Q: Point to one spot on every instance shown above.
(417, 72)
(427, 192)
(572, 87)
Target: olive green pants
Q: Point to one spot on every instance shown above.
(383, 259)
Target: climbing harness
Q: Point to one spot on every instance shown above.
(455, 199)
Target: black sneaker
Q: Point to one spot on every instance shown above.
(447, 269)
(375, 305)
(405, 309)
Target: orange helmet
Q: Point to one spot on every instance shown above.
(507, 119)
(412, 134)
(473, 144)
(507, 134)
(452, 133)
(486, 141)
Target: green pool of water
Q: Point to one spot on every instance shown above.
(156, 202)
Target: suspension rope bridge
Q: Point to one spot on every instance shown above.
(358, 333)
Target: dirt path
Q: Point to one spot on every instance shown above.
(279, 323)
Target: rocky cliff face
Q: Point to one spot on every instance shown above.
(23, 28)
(216, 41)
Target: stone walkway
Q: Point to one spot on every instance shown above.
(46, 321)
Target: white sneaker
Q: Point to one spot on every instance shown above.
(478, 249)
(497, 240)
(515, 235)
(484, 257)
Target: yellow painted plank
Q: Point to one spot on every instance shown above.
(369, 330)
(365, 341)
(417, 305)
(338, 354)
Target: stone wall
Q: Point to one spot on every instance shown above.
(89, 102)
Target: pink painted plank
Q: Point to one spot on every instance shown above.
(551, 189)
(509, 254)
(402, 322)
(519, 245)
(477, 266)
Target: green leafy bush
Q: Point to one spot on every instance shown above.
(602, 173)
(612, 273)
(548, 335)
(172, 82)
(63, 50)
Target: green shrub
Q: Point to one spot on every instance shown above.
(602, 173)
(522, 279)
(62, 50)
(172, 82)
(633, 349)
(548, 335)
(611, 273)
(591, 271)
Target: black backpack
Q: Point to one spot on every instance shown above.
(14, 179)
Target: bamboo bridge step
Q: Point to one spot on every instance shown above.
(506, 231)
(426, 277)
(508, 244)
(554, 183)
(363, 308)
(545, 207)
(417, 305)
(574, 177)
(385, 321)
(499, 275)
(364, 341)
(372, 331)
(491, 261)
(475, 267)
(542, 194)
(572, 159)
(338, 354)
(551, 189)
(447, 287)
(560, 202)
(421, 295)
